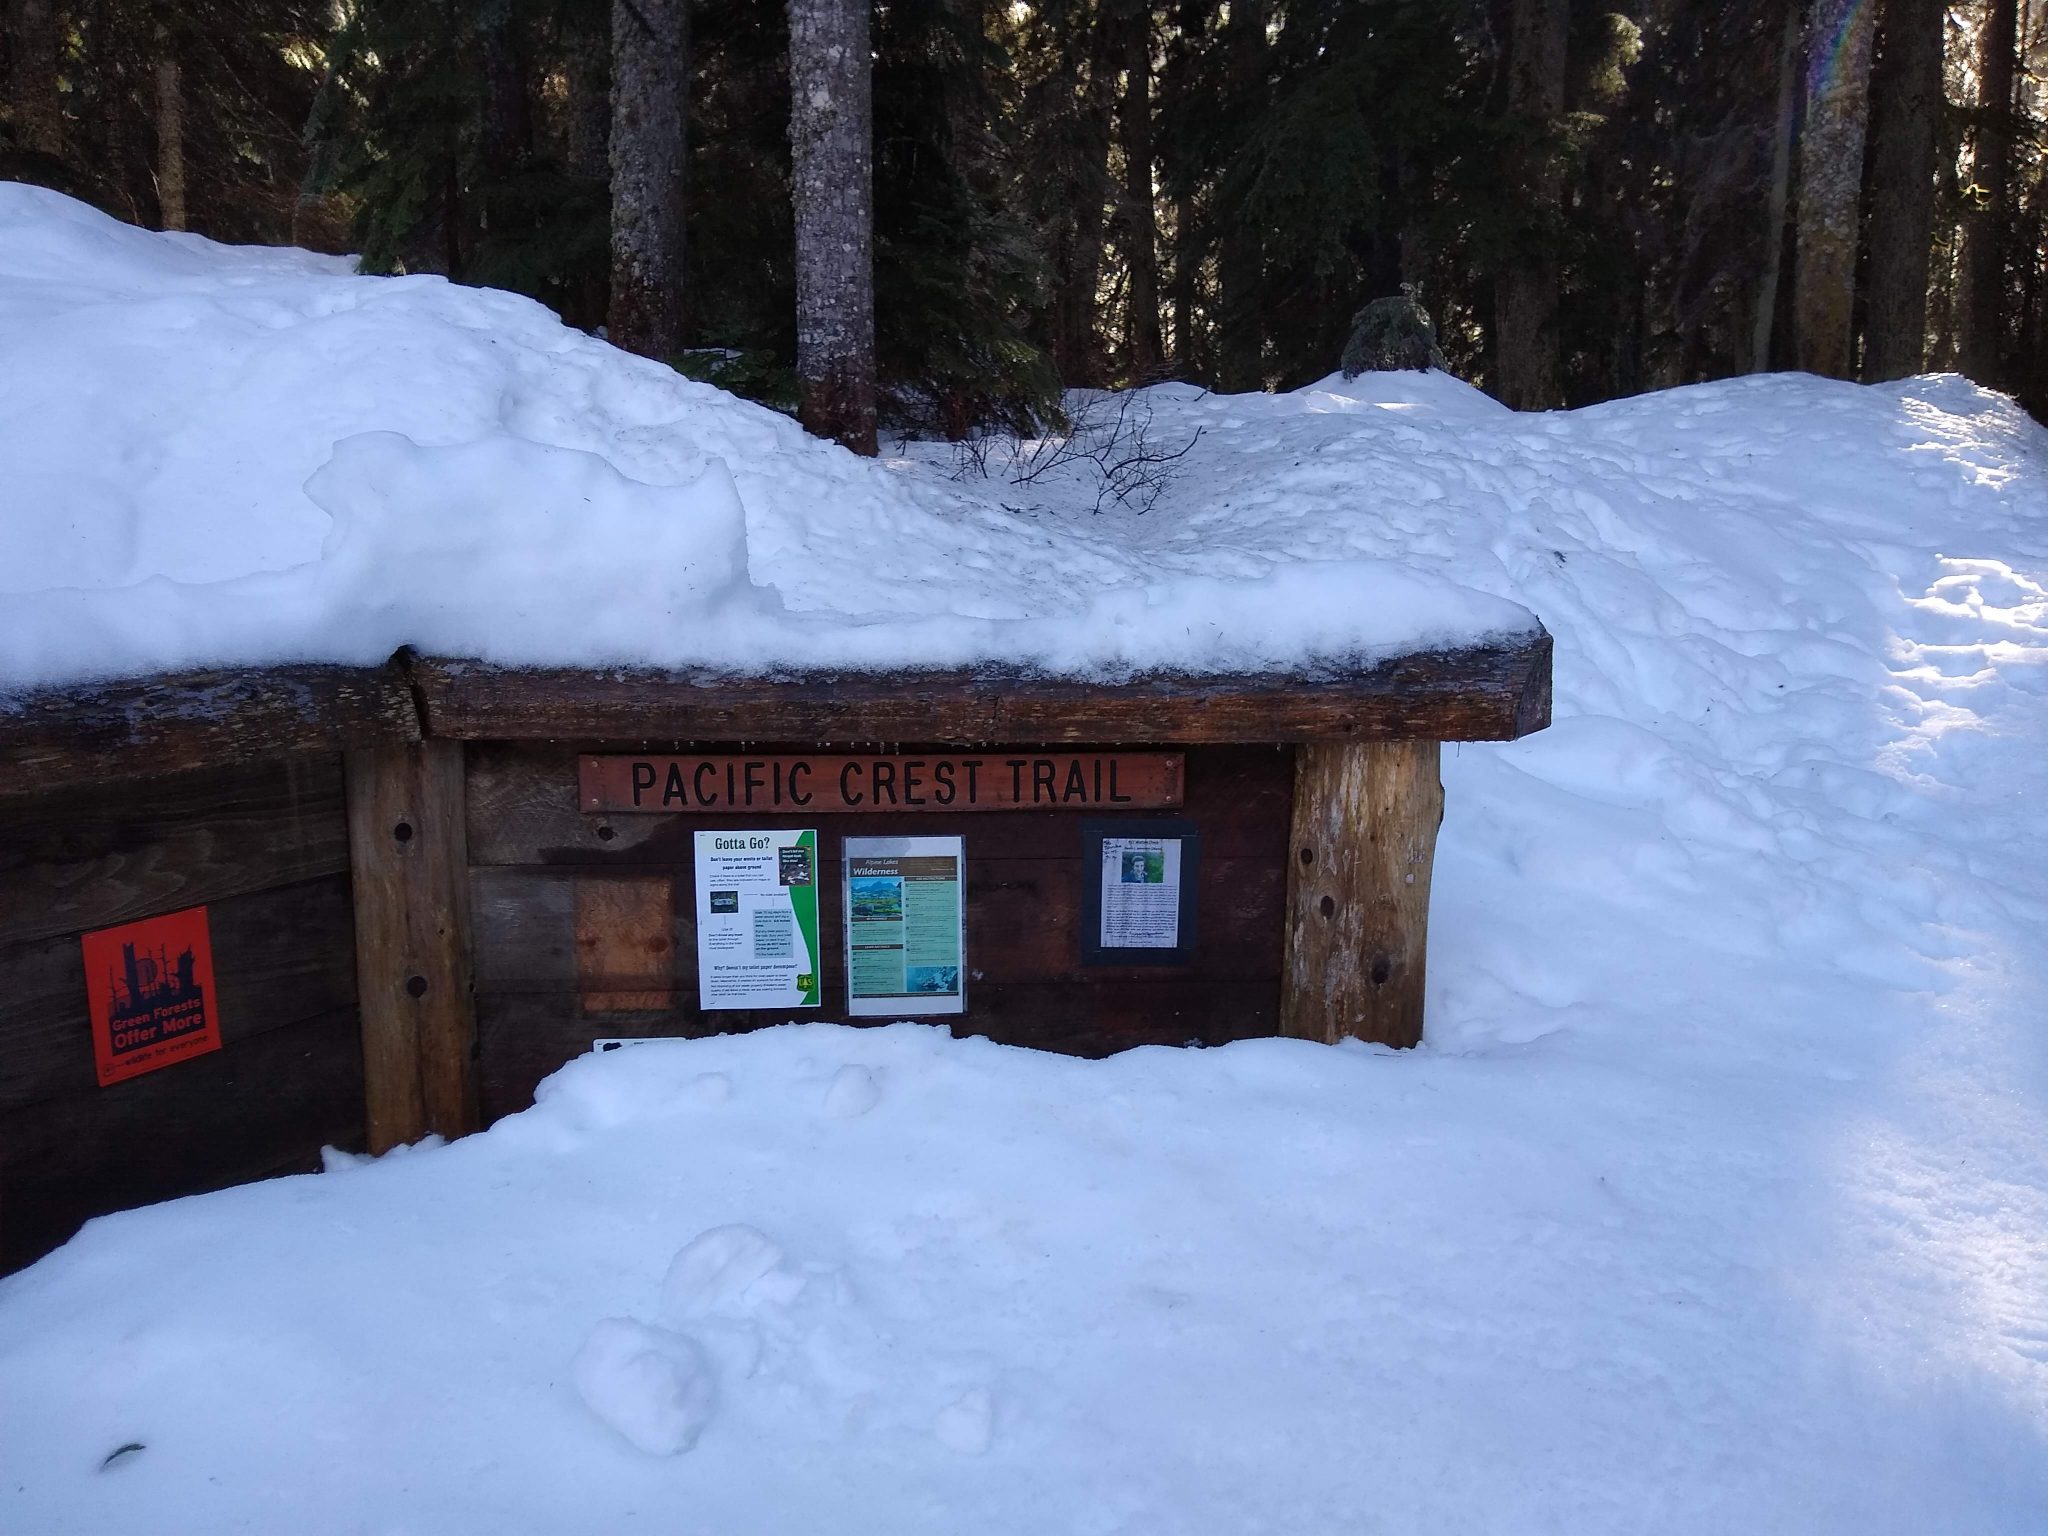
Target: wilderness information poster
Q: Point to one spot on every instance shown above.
(757, 920)
(904, 932)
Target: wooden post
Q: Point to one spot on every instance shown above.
(1365, 820)
(408, 851)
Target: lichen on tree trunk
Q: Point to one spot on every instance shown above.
(650, 74)
(1838, 46)
(832, 188)
(170, 133)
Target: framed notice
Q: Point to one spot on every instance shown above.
(757, 920)
(1138, 881)
(149, 990)
(905, 930)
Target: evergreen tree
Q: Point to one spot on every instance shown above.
(1986, 230)
(1526, 292)
(831, 136)
(649, 95)
(1906, 105)
(1838, 46)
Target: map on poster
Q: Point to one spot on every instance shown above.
(904, 927)
(757, 920)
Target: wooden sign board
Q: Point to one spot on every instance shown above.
(996, 781)
(149, 991)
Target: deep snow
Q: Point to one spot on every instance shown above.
(1717, 1200)
(220, 455)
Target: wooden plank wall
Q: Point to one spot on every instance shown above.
(538, 863)
(265, 847)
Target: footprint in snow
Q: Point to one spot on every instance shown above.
(652, 1387)
(712, 1088)
(728, 1271)
(853, 1093)
(967, 1425)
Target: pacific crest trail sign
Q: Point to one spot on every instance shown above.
(993, 781)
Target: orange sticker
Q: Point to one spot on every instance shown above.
(150, 989)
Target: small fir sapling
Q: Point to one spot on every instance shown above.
(1391, 334)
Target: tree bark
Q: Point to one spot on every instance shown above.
(1838, 43)
(1076, 357)
(1985, 230)
(1178, 86)
(1778, 201)
(32, 84)
(507, 127)
(170, 134)
(1240, 256)
(1906, 106)
(1363, 843)
(1525, 292)
(831, 140)
(650, 75)
(1141, 219)
(590, 109)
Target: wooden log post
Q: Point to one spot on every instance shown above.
(409, 856)
(1365, 821)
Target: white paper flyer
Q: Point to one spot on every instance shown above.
(1140, 893)
(757, 920)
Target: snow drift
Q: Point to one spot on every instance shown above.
(1716, 1201)
(225, 455)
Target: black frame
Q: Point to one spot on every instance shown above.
(1092, 834)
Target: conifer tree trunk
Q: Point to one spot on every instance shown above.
(1241, 331)
(1079, 268)
(1838, 44)
(507, 128)
(32, 76)
(1906, 105)
(831, 137)
(1177, 85)
(650, 74)
(1778, 201)
(170, 134)
(1525, 293)
(589, 106)
(1141, 219)
(1984, 233)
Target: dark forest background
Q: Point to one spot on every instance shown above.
(1591, 200)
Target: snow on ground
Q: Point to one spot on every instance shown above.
(1717, 1200)
(232, 455)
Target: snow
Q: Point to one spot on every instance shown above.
(221, 456)
(1716, 1201)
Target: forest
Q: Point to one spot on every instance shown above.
(1590, 201)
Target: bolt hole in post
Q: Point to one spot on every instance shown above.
(1308, 857)
(1328, 907)
(403, 831)
(416, 986)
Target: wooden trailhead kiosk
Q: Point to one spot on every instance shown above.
(245, 914)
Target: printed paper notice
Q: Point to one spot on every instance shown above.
(149, 992)
(757, 920)
(1140, 893)
(904, 935)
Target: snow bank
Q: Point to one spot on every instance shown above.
(1718, 1200)
(224, 455)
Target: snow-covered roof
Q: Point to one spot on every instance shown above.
(220, 455)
